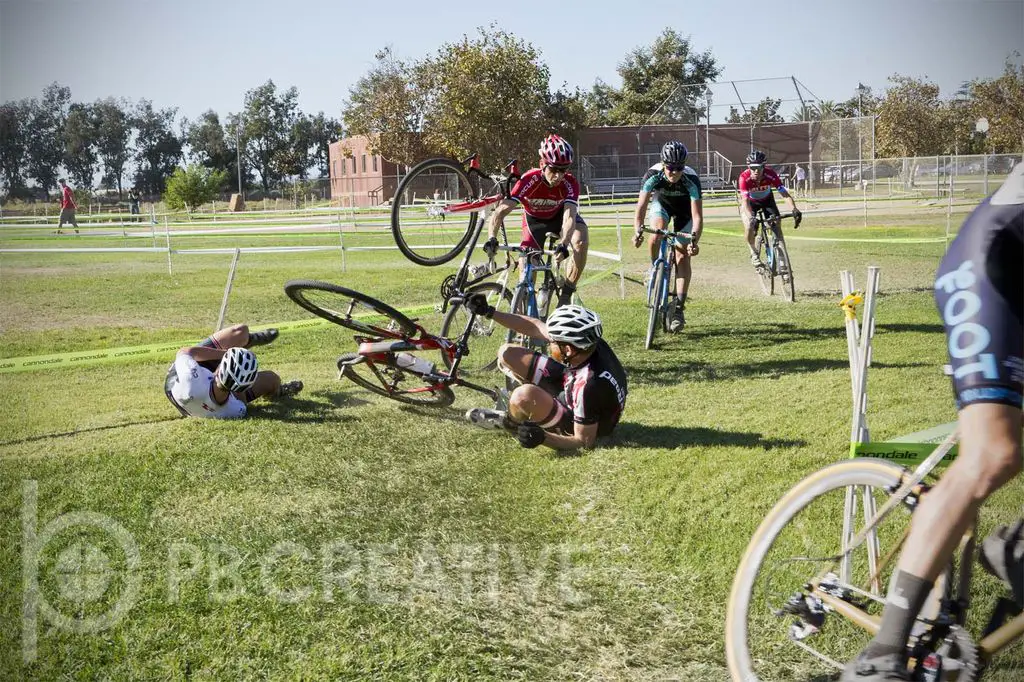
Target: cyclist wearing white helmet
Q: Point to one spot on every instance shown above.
(565, 400)
(755, 186)
(676, 198)
(220, 376)
(549, 196)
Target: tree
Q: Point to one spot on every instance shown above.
(599, 103)
(765, 111)
(266, 129)
(80, 158)
(14, 130)
(297, 157)
(1001, 101)
(324, 131)
(157, 148)
(668, 74)
(485, 95)
(113, 132)
(208, 146)
(192, 186)
(384, 106)
(909, 119)
(46, 135)
(566, 112)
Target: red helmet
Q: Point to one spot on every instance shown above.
(555, 151)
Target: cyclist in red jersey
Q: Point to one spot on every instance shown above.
(549, 197)
(755, 186)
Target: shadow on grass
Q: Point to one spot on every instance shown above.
(647, 436)
(302, 410)
(934, 328)
(681, 372)
(91, 429)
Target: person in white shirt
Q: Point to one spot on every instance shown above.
(800, 178)
(219, 377)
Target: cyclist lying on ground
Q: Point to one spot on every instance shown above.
(677, 198)
(979, 290)
(549, 196)
(755, 186)
(220, 376)
(566, 400)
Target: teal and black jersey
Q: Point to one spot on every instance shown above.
(673, 197)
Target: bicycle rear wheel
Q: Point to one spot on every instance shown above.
(655, 296)
(797, 541)
(391, 381)
(485, 338)
(350, 309)
(428, 228)
(766, 272)
(785, 271)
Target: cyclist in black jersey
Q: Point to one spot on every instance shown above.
(979, 290)
(565, 400)
(675, 188)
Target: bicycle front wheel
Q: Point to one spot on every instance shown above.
(776, 629)
(655, 297)
(485, 338)
(393, 382)
(785, 271)
(427, 220)
(767, 271)
(350, 309)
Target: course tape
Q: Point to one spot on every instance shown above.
(865, 240)
(31, 363)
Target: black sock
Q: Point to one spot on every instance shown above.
(682, 300)
(905, 599)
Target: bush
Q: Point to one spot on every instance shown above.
(193, 186)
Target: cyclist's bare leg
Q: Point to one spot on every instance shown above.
(514, 361)
(990, 455)
(531, 403)
(267, 384)
(654, 243)
(236, 336)
(748, 231)
(684, 271)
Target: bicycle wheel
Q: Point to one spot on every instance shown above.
(394, 382)
(785, 271)
(428, 228)
(797, 541)
(655, 296)
(766, 272)
(484, 339)
(350, 309)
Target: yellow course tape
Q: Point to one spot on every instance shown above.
(31, 363)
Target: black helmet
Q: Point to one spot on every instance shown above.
(673, 152)
(756, 158)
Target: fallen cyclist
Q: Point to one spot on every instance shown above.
(567, 399)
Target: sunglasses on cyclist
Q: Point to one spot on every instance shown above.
(755, 166)
(674, 167)
(558, 169)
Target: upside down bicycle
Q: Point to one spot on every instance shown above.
(390, 358)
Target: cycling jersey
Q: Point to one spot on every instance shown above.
(760, 190)
(544, 205)
(189, 386)
(672, 199)
(593, 393)
(979, 290)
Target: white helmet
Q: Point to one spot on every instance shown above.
(575, 325)
(237, 369)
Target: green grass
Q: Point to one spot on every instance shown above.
(457, 554)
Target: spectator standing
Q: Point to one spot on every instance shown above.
(133, 202)
(67, 207)
(800, 178)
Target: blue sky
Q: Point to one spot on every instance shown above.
(203, 54)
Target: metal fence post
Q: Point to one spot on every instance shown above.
(167, 236)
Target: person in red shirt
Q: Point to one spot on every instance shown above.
(549, 197)
(67, 207)
(756, 185)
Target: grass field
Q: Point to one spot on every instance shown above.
(339, 535)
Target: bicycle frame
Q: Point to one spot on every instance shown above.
(530, 270)
(770, 223)
(997, 636)
(669, 240)
(380, 349)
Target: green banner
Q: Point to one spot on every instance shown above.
(901, 453)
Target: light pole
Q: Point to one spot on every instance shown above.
(861, 90)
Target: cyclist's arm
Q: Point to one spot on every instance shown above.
(697, 215)
(789, 198)
(568, 222)
(202, 353)
(641, 209)
(524, 324)
(505, 207)
(583, 436)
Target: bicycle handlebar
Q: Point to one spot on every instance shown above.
(676, 237)
(761, 218)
